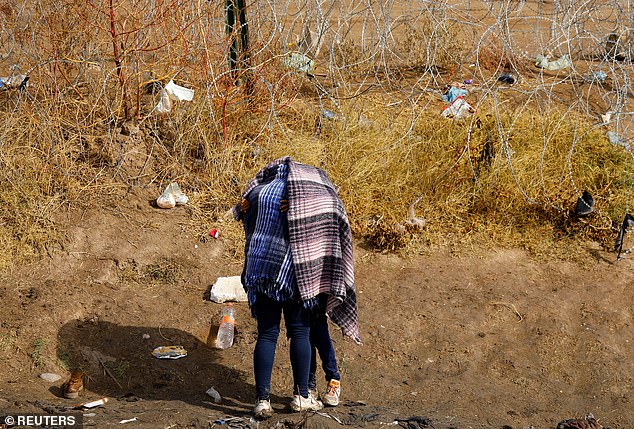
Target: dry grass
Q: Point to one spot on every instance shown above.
(491, 180)
(504, 177)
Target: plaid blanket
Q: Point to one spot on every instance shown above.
(268, 267)
(320, 241)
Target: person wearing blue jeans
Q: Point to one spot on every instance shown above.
(321, 343)
(297, 319)
(269, 279)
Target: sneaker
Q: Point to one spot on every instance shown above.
(263, 409)
(313, 392)
(74, 385)
(333, 391)
(299, 403)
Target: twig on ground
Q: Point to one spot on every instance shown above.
(109, 372)
(511, 306)
(164, 337)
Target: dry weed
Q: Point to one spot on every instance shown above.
(500, 178)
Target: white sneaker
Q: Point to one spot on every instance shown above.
(263, 409)
(299, 403)
(333, 391)
(312, 391)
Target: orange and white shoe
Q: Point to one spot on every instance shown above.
(333, 391)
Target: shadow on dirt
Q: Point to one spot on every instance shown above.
(119, 363)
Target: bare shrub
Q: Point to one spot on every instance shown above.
(427, 45)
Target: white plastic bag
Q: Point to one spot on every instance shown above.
(214, 394)
(458, 109)
(562, 63)
(165, 104)
(173, 92)
(179, 93)
(171, 196)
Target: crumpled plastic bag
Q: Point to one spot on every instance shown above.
(214, 394)
(562, 63)
(171, 197)
(174, 92)
(13, 81)
(599, 76)
(617, 140)
(453, 93)
(300, 62)
(458, 109)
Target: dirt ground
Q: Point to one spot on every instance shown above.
(489, 341)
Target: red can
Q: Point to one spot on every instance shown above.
(214, 233)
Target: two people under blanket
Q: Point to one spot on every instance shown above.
(298, 262)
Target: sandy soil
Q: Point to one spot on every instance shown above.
(498, 340)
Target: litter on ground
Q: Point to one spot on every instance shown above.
(562, 63)
(169, 352)
(227, 289)
(171, 197)
(172, 92)
(458, 109)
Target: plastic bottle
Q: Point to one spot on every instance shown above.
(224, 339)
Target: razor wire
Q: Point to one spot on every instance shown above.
(401, 49)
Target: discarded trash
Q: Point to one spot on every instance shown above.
(146, 336)
(415, 223)
(50, 377)
(506, 78)
(453, 93)
(74, 385)
(170, 92)
(561, 63)
(606, 117)
(128, 420)
(458, 109)
(171, 196)
(585, 204)
(415, 422)
(598, 75)
(468, 81)
(227, 289)
(215, 395)
(169, 352)
(299, 62)
(165, 103)
(615, 139)
(618, 245)
(93, 404)
(588, 422)
(14, 81)
(214, 233)
(231, 419)
(224, 339)
(328, 114)
(330, 417)
(179, 93)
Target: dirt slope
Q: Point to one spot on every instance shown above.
(468, 342)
